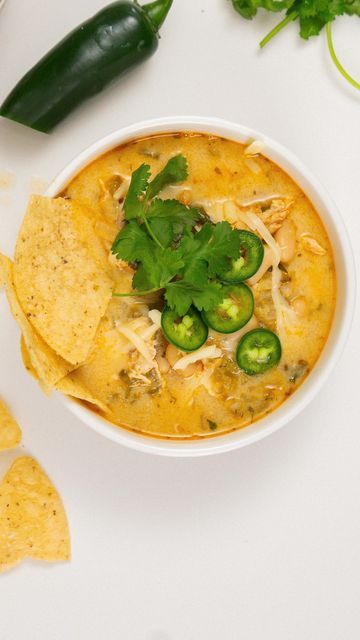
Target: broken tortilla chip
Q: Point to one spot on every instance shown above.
(33, 522)
(61, 275)
(10, 432)
(48, 365)
(27, 360)
(73, 387)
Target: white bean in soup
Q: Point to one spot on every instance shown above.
(131, 369)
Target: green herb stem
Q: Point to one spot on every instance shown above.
(151, 232)
(135, 294)
(289, 18)
(336, 60)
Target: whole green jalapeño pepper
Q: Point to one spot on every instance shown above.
(117, 38)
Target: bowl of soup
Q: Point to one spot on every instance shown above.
(217, 285)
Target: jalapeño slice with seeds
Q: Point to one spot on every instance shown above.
(249, 261)
(258, 351)
(234, 311)
(188, 332)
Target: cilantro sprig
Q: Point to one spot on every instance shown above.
(313, 16)
(175, 249)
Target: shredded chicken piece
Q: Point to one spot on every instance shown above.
(205, 379)
(274, 216)
(214, 208)
(310, 244)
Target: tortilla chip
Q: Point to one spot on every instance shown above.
(27, 360)
(10, 432)
(99, 375)
(48, 365)
(33, 522)
(61, 275)
(73, 387)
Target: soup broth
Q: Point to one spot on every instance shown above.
(131, 367)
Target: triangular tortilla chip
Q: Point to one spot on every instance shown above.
(61, 275)
(10, 432)
(71, 386)
(27, 360)
(48, 365)
(33, 522)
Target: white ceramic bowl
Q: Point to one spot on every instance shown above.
(345, 274)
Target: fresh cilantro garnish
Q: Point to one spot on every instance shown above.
(313, 16)
(175, 249)
(157, 269)
(207, 253)
(176, 170)
(180, 295)
(133, 205)
(132, 244)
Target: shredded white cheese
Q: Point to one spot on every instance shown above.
(155, 317)
(254, 148)
(138, 343)
(260, 199)
(123, 189)
(201, 354)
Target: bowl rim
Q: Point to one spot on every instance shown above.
(333, 348)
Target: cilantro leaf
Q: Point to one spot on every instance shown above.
(248, 8)
(132, 243)
(315, 14)
(133, 206)
(174, 210)
(224, 243)
(169, 218)
(352, 7)
(174, 171)
(213, 245)
(163, 230)
(157, 268)
(181, 295)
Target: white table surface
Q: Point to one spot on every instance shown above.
(259, 543)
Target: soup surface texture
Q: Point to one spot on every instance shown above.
(131, 366)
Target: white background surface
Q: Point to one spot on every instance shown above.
(259, 543)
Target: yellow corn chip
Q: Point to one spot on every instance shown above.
(71, 386)
(61, 275)
(48, 365)
(99, 375)
(27, 360)
(33, 522)
(10, 432)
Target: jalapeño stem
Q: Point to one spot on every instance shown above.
(157, 11)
